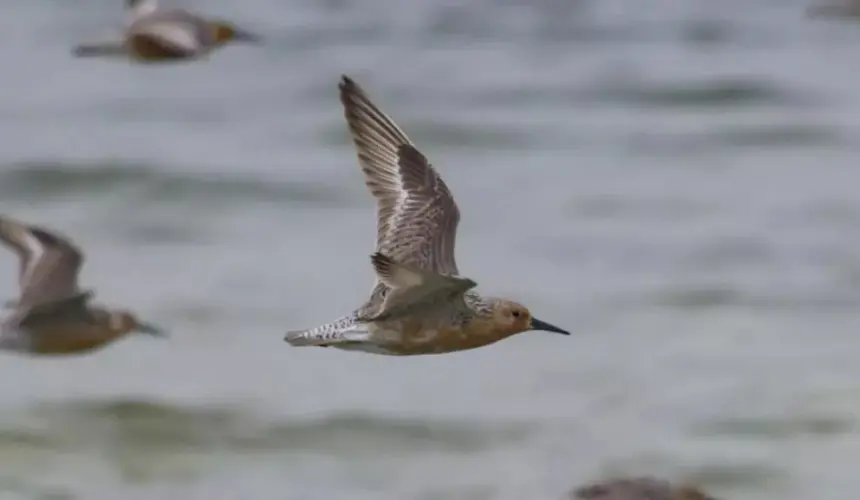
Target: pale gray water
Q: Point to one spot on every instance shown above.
(674, 181)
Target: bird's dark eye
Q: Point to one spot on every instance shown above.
(515, 314)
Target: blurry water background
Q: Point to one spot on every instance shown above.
(674, 181)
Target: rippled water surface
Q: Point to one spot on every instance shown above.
(675, 182)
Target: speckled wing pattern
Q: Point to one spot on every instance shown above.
(413, 288)
(417, 217)
(49, 264)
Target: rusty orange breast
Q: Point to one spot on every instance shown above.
(414, 336)
(70, 340)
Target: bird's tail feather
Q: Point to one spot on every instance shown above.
(97, 49)
(345, 329)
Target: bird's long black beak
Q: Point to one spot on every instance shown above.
(537, 324)
(241, 35)
(150, 329)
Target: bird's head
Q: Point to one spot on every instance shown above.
(226, 32)
(122, 322)
(513, 318)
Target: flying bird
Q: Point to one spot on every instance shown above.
(53, 315)
(420, 303)
(156, 34)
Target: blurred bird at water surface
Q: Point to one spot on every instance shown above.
(637, 488)
(835, 8)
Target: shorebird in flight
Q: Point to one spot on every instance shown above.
(52, 315)
(420, 304)
(155, 34)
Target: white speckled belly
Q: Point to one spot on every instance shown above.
(365, 347)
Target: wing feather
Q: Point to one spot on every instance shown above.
(417, 216)
(49, 263)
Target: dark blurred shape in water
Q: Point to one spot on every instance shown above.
(639, 488)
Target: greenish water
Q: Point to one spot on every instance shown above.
(674, 182)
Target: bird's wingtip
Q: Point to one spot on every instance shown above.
(349, 86)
